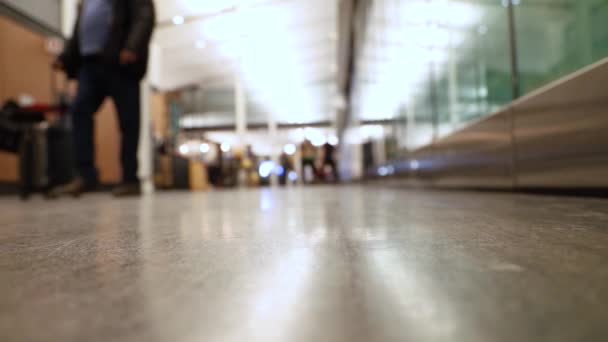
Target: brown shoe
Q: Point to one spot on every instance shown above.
(74, 188)
(127, 190)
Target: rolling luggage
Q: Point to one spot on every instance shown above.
(44, 151)
(60, 155)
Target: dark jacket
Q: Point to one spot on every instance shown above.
(132, 25)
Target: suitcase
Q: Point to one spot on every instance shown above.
(33, 160)
(45, 151)
(10, 137)
(60, 155)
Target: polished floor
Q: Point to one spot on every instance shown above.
(358, 263)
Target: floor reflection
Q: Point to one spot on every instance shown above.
(304, 264)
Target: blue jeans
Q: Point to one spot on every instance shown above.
(96, 82)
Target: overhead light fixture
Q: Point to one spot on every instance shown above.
(319, 141)
(204, 148)
(289, 149)
(266, 168)
(225, 147)
(414, 164)
(184, 149)
(293, 176)
(178, 20)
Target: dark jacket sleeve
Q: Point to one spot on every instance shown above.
(71, 53)
(143, 19)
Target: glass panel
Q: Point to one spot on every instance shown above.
(558, 37)
(438, 63)
(473, 72)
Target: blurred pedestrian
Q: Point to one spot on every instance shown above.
(108, 55)
(309, 156)
(329, 161)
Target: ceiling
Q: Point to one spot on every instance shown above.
(285, 53)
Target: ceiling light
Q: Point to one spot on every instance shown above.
(293, 176)
(289, 149)
(178, 20)
(319, 141)
(414, 164)
(184, 149)
(266, 168)
(225, 147)
(204, 148)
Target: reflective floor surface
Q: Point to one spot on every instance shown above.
(317, 264)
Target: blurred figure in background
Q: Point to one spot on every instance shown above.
(329, 161)
(108, 55)
(287, 166)
(309, 155)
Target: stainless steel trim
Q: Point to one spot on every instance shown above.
(556, 137)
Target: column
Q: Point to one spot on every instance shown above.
(298, 164)
(146, 150)
(240, 104)
(452, 85)
(69, 12)
(240, 101)
(275, 147)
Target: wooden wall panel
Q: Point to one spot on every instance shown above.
(24, 68)
(160, 114)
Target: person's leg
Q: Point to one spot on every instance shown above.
(311, 164)
(124, 90)
(304, 171)
(334, 169)
(89, 96)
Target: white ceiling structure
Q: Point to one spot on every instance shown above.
(285, 52)
(401, 40)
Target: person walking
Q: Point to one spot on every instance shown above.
(108, 55)
(309, 157)
(329, 161)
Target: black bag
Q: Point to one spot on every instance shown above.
(10, 132)
(32, 161)
(59, 154)
(10, 137)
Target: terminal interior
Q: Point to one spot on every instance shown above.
(318, 170)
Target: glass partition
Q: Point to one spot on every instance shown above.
(558, 37)
(438, 65)
(473, 73)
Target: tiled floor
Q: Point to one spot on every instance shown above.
(318, 264)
